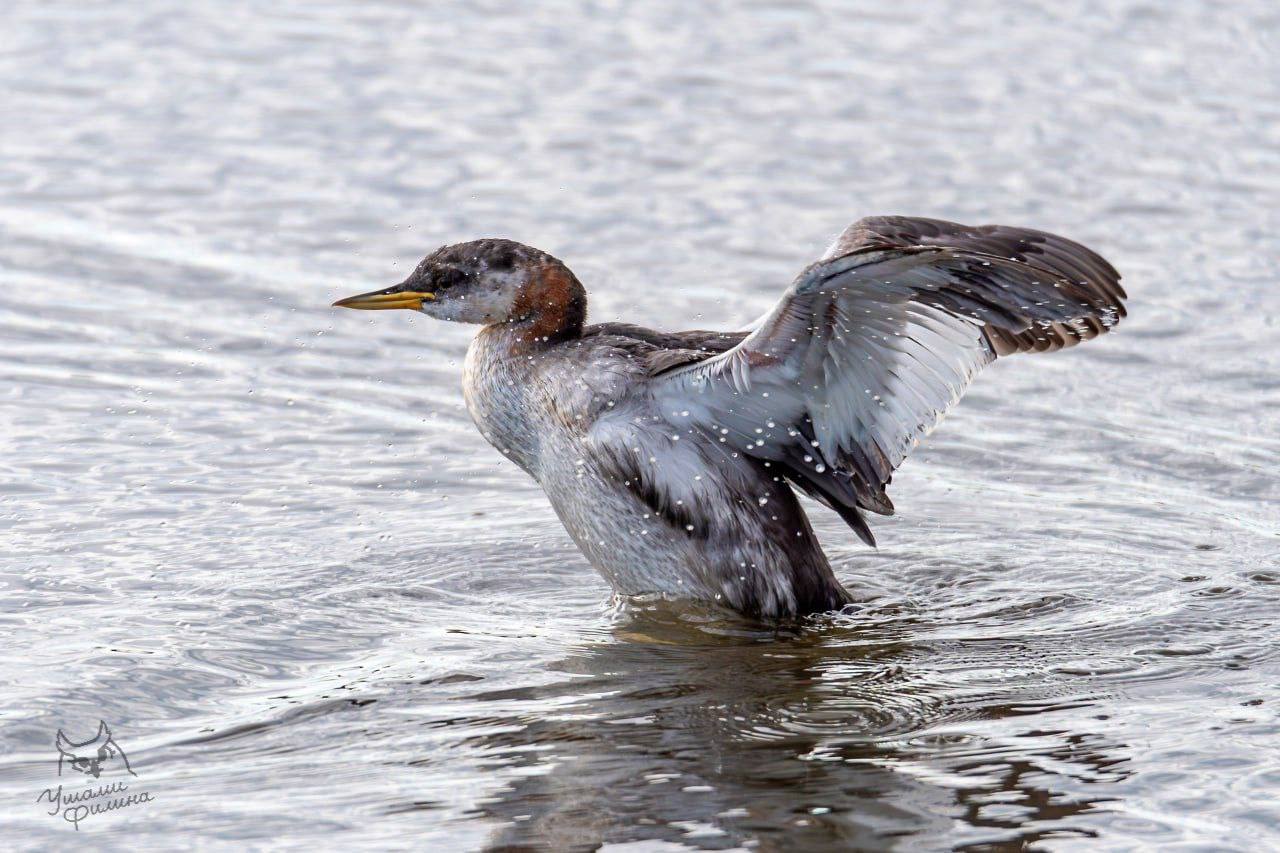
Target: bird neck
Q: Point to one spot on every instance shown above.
(550, 307)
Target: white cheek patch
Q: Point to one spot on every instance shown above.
(497, 299)
(491, 301)
(452, 308)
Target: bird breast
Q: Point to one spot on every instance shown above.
(498, 387)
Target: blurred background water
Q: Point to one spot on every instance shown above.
(261, 539)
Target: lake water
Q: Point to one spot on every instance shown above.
(261, 540)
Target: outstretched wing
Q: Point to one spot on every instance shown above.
(873, 343)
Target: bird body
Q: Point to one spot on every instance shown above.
(654, 508)
(673, 459)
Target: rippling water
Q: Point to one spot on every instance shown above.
(262, 541)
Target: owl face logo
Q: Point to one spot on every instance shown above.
(94, 756)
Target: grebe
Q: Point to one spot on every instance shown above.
(670, 457)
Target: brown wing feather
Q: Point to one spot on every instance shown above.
(1057, 255)
(873, 343)
(668, 350)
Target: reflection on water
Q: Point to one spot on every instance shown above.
(845, 736)
(262, 541)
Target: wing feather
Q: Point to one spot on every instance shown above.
(873, 344)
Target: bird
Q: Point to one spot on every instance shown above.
(674, 459)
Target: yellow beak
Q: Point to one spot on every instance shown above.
(381, 300)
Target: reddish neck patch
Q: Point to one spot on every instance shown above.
(551, 306)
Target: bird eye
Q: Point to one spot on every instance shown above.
(450, 277)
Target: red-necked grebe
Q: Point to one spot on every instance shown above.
(671, 457)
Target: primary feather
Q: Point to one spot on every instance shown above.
(873, 343)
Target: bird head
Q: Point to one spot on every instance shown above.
(482, 281)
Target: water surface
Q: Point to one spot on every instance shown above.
(261, 539)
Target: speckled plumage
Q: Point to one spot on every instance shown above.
(670, 458)
(655, 508)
